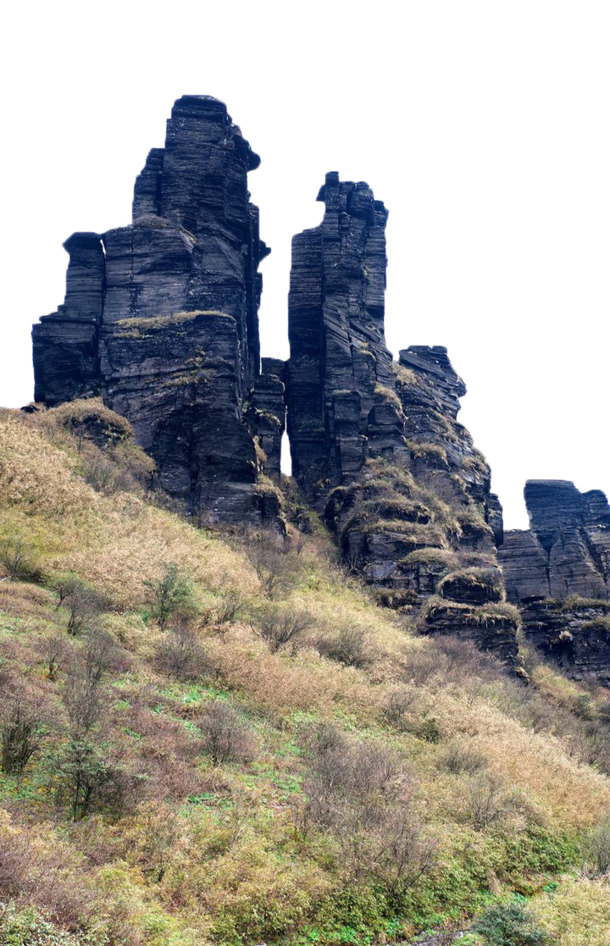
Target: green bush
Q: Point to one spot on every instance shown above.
(171, 594)
(510, 924)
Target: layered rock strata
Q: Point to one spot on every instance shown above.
(558, 573)
(377, 446)
(340, 371)
(160, 317)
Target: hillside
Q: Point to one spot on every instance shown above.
(220, 736)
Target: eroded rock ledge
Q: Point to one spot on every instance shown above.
(558, 573)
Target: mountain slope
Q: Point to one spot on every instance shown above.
(227, 741)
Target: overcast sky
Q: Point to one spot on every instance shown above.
(483, 126)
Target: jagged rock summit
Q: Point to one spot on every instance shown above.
(161, 316)
(376, 446)
(160, 319)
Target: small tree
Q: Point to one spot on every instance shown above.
(171, 594)
(82, 772)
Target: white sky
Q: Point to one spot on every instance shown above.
(482, 124)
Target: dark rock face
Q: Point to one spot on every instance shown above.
(559, 574)
(567, 550)
(376, 445)
(267, 414)
(339, 364)
(160, 317)
(575, 636)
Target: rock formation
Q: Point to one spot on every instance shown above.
(558, 572)
(160, 317)
(377, 446)
(160, 321)
(339, 368)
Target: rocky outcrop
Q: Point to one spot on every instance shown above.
(566, 552)
(341, 404)
(160, 317)
(558, 572)
(574, 634)
(376, 445)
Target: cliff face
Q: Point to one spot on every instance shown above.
(160, 317)
(377, 446)
(339, 365)
(558, 572)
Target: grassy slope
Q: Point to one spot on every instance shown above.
(197, 852)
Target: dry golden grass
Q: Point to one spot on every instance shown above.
(577, 913)
(234, 859)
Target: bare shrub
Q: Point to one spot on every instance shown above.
(400, 703)
(172, 594)
(18, 560)
(15, 859)
(230, 606)
(56, 652)
(84, 701)
(422, 665)
(83, 605)
(272, 560)
(20, 734)
(30, 872)
(226, 736)
(348, 646)
(596, 850)
(458, 758)
(83, 695)
(279, 626)
(363, 795)
(181, 655)
(486, 801)
(462, 660)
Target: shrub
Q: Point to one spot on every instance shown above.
(83, 695)
(359, 791)
(230, 606)
(82, 603)
(348, 646)
(170, 595)
(457, 758)
(181, 655)
(56, 652)
(510, 924)
(17, 560)
(486, 801)
(279, 626)
(20, 731)
(226, 736)
(596, 850)
(272, 561)
(399, 703)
